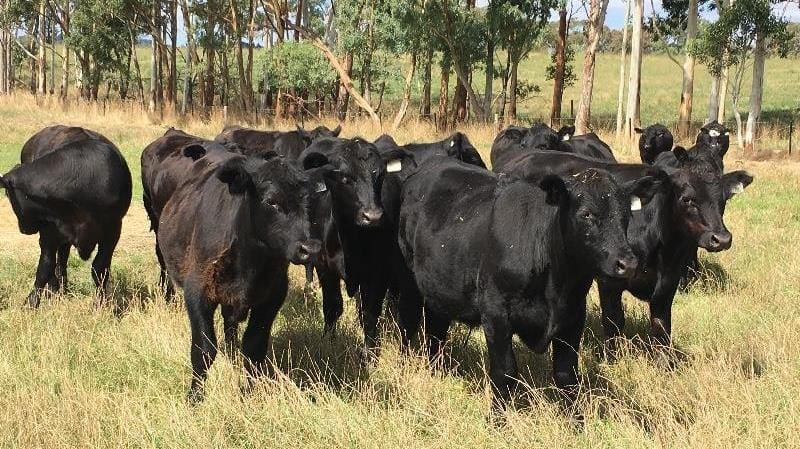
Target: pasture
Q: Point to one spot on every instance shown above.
(73, 376)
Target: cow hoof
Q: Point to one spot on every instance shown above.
(34, 298)
(330, 331)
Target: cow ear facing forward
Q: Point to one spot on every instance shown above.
(336, 131)
(680, 153)
(3, 183)
(638, 130)
(314, 159)
(234, 173)
(555, 188)
(735, 182)
(642, 190)
(566, 132)
(194, 151)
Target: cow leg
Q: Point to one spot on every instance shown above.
(308, 288)
(59, 282)
(502, 363)
(565, 353)
(102, 261)
(45, 271)
(204, 341)
(230, 320)
(409, 308)
(372, 295)
(163, 278)
(436, 329)
(332, 302)
(255, 342)
(613, 314)
(661, 322)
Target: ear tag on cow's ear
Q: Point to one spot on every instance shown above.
(321, 187)
(452, 143)
(565, 137)
(713, 133)
(727, 133)
(394, 166)
(737, 188)
(636, 203)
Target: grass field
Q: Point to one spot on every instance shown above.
(73, 376)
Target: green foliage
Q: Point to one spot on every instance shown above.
(569, 67)
(295, 66)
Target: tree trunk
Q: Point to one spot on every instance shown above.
(560, 66)
(191, 56)
(344, 97)
(173, 56)
(756, 92)
(632, 116)
(512, 92)
(41, 55)
(208, 76)
(713, 99)
(687, 92)
(459, 104)
(425, 104)
(597, 17)
(3, 62)
(723, 93)
(623, 57)
(444, 87)
(251, 33)
(154, 60)
(401, 112)
(243, 87)
(489, 74)
(298, 20)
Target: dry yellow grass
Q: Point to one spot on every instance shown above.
(72, 376)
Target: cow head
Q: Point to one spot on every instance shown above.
(459, 147)
(319, 132)
(699, 195)
(566, 132)
(714, 137)
(594, 214)
(30, 210)
(356, 175)
(654, 140)
(543, 138)
(278, 195)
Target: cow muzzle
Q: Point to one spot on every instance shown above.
(369, 217)
(304, 252)
(716, 241)
(624, 267)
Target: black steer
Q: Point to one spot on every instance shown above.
(165, 166)
(590, 145)
(525, 252)
(457, 146)
(286, 143)
(72, 188)
(654, 140)
(515, 142)
(227, 236)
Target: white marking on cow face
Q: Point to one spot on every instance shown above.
(636, 203)
(394, 166)
(321, 187)
(713, 133)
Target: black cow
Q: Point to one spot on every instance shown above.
(654, 140)
(227, 235)
(165, 166)
(686, 213)
(515, 142)
(456, 146)
(286, 143)
(514, 256)
(72, 188)
(352, 225)
(715, 136)
(590, 145)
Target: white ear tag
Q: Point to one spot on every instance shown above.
(452, 143)
(727, 133)
(321, 187)
(394, 166)
(713, 133)
(636, 203)
(737, 188)
(565, 137)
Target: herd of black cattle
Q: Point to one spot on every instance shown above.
(513, 250)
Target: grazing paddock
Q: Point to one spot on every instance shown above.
(74, 376)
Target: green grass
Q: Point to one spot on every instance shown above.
(75, 376)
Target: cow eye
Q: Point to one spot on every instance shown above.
(588, 216)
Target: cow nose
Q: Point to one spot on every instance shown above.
(370, 217)
(720, 241)
(625, 266)
(306, 250)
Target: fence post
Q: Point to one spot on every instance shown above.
(572, 108)
(791, 133)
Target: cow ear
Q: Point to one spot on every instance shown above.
(336, 131)
(314, 159)
(454, 144)
(3, 183)
(680, 153)
(396, 158)
(234, 173)
(555, 188)
(735, 182)
(194, 151)
(642, 190)
(638, 130)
